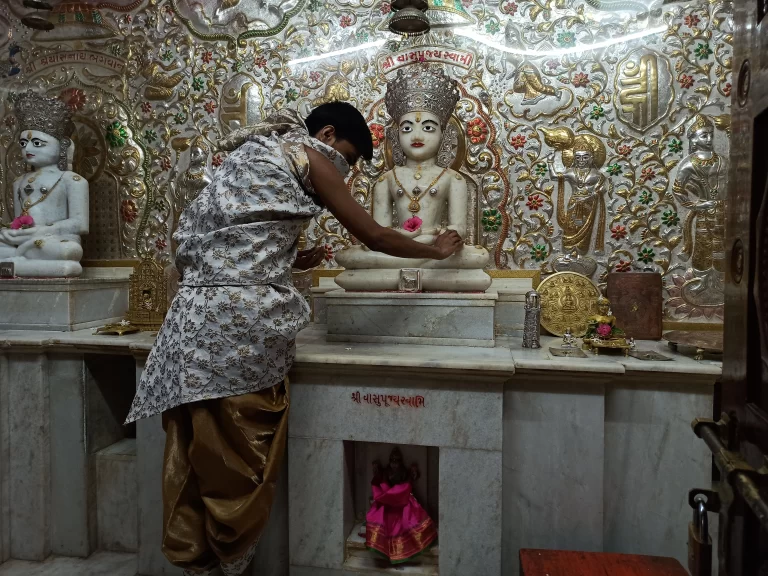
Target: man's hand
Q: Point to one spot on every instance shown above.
(307, 259)
(448, 243)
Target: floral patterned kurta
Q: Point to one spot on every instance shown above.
(231, 328)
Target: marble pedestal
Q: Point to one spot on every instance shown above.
(61, 304)
(432, 279)
(446, 319)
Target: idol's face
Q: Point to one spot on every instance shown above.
(703, 139)
(197, 156)
(420, 135)
(582, 159)
(39, 149)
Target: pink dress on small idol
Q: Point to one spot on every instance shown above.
(396, 524)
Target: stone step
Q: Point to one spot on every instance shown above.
(358, 557)
(359, 565)
(117, 497)
(98, 564)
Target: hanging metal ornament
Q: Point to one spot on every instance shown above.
(409, 18)
(33, 20)
(448, 14)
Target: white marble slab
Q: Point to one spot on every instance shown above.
(652, 460)
(470, 512)
(402, 318)
(312, 348)
(61, 304)
(456, 411)
(30, 464)
(509, 317)
(553, 466)
(116, 501)
(71, 492)
(316, 486)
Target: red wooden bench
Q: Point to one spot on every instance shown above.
(569, 563)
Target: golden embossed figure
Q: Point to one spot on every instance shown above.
(568, 302)
(337, 87)
(697, 187)
(640, 91)
(584, 215)
(529, 83)
(160, 84)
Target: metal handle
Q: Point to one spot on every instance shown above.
(700, 518)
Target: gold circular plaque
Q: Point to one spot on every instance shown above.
(568, 300)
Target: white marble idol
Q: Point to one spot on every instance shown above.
(51, 202)
(421, 193)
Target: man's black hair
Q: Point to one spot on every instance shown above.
(349, 124)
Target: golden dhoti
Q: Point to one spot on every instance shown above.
(222, 460)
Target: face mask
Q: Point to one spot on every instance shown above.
(338, 160)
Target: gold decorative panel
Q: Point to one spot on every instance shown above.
(576, 120)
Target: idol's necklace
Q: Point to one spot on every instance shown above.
(44, 193)
(417, 193)
(708, 162)
(28, 189)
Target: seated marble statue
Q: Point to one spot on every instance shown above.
(421, 192)
(50, 203)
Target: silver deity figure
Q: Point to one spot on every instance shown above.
(532, 320)
(698, 188)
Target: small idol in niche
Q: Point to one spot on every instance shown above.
(396, 525)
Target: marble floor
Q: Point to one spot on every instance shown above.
(99, 564)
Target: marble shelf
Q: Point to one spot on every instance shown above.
(508, 356)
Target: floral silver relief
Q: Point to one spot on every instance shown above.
(154, 84)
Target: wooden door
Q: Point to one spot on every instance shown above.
(739, 441)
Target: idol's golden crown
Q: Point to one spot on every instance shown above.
(700, 123)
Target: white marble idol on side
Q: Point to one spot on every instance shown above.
(50, 203)
(421, 196)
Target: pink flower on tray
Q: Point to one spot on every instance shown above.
(22, 222)
(412, 224)
(604, 329)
